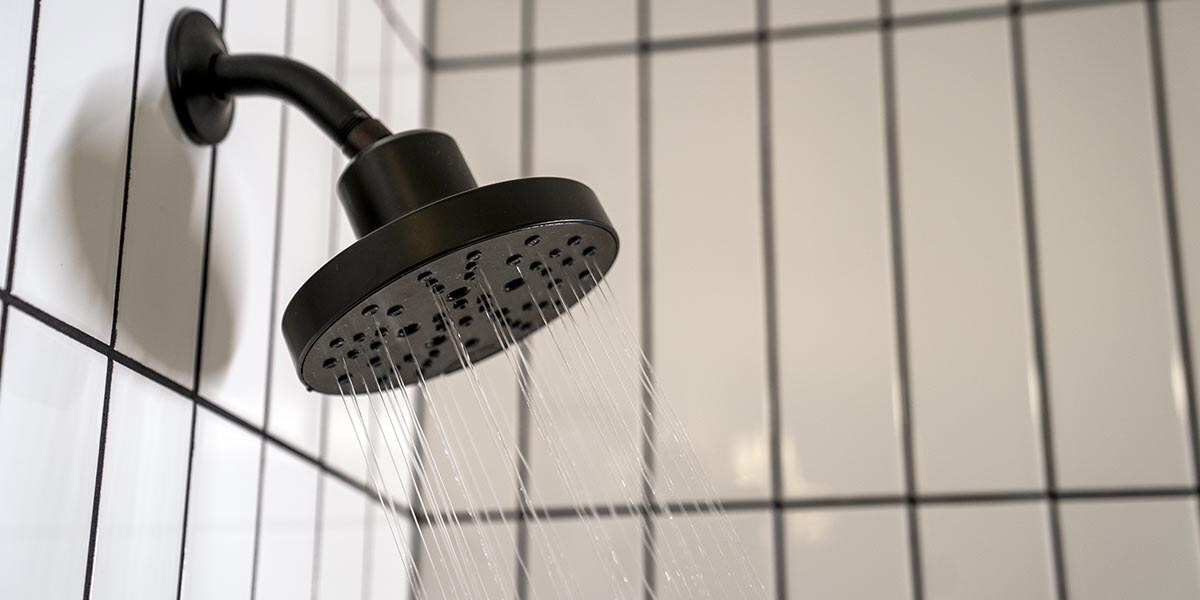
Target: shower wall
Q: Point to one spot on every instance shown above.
(922, 278)
(154, 440)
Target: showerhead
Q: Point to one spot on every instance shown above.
(444, 273)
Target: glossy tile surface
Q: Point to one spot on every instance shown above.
(219, 550)
(286, 527)
(75, 165)
(565, 560)
(237, 308)
(1110, 344)
(307, 208)
(340, 556)
(15, 31)
(573, 23)
(470, 28)
(810, 12)
(1099, 536)
(703, 555)
(973, 377)
(837, 351)
(699, 193)
(848, 553)
(49, 428)
(585, 128)
(677, 18)
(997, 551)
(145, 483)
(163, 258)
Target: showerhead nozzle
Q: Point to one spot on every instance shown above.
(445, 273)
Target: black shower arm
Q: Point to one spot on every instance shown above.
(331, 108)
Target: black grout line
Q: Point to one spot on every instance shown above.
(102, 445)
(1171, 212)
(427, 96)
(569, 512)
(199, 352)
(896, 229)
(23, 151)
(19, 186)
(770, 304)
(524, 416)
(832, 28)
(268, 390)
(187, 499)
(1034, 280)
(646, 308)
(112, 336)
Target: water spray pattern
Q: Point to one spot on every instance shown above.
(586, 366)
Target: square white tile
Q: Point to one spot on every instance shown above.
(1144, 548)
(986, 551)
(49, 433)
(976, 414)
(679, 18)
(577, 558)
(1110, 339)
(75, 166)
(287, 527)
(710, 555)
(222, 509)
(837, 348)
(848, 553)
(706, 217)
(163, 259)
(145, 482)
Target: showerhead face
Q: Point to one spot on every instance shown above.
(435, 283)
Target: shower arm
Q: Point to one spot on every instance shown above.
(331, 108)
(204, 79)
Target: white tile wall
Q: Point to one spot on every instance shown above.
(1117, 394)
(70, 241)
(696, 557)
(165, 218)
(238, 293)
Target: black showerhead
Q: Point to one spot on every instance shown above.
(441, 267)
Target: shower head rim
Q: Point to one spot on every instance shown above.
(518, 205)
